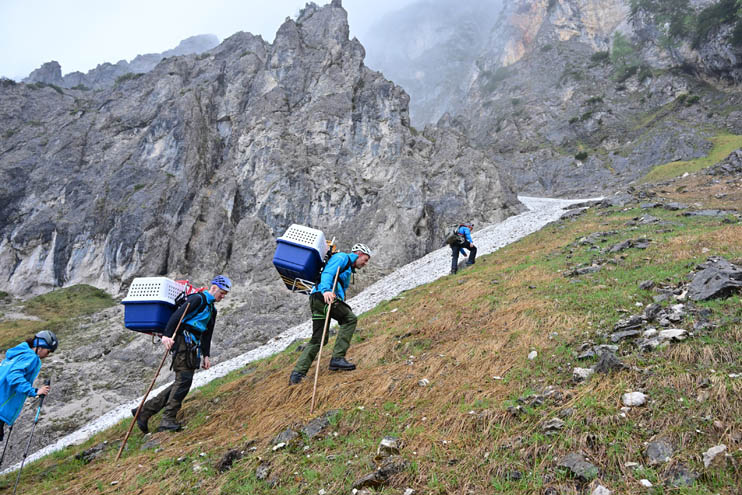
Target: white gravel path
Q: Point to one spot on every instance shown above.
(541, 211)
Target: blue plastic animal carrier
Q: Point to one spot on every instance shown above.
(149, 303)
(299, 257)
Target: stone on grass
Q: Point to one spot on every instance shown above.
(285, 437)
(553, 425)
(582, 374)
(532, 355)
(317, 425)
(391, 466)
(680, 476)
(633, 399)
(619, 336)
(717, 278)
(609, 362)
(263, 470)
(600, 490)
(579, 466)
(388, 447)
(659, 452)
(225, 463)
(712, 454)
(645, 483)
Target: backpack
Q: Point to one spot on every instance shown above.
(188, 289)
(454, 237)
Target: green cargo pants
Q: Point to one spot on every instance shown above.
(340, 312)
(171, 399)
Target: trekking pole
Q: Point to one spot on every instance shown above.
(36, 420)
(7, 440)
(321, 342)
(141, 404)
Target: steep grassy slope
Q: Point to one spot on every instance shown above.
(478, 425)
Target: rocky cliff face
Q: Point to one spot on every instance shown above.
(197, 166)
(583, 96)
(106, 74)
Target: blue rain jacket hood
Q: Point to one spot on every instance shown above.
(18, 371)
(344, 261)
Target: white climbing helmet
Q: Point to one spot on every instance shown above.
(362, 248)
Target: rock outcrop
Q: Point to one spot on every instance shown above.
(106, 74)
(198, 165)
(585, 96)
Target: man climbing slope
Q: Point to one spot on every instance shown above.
(192, 341)
(457, 248)
(319, 300)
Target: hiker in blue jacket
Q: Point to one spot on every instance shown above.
(458, 247)
(319, 299)
(192, 341)
(18, 371)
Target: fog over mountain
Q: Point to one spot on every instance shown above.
(429, 48)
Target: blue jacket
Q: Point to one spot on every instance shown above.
(17, 374)
(337, 260)
(467, 233)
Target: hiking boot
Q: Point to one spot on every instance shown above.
(167, 425)
(141, 421)
(296, 377)
(340, 364)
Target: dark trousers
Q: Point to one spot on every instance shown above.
(344, 316)
(171, 399)
(455, 256)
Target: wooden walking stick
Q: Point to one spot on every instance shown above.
(139, 409)
(321, 342)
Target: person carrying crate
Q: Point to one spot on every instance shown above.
(319, 300)
(192, 341)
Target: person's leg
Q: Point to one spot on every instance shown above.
(454, 258)
(154, 405)
(348, 321)
(318, 308)
(472, 255)
(179, 390)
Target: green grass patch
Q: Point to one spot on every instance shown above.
(723, 144)
(55, 310)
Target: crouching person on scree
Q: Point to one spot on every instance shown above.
(192, 341)
(319, 300)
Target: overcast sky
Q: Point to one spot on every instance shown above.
(80, 34)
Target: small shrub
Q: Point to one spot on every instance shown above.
(4, 295)
(586, 115)
(546, 48)
(692, 100)
(581, 156)
(7, 83)
(712, 17)
(515, 101)
(594, 99)
(81, 87)
(601, 57)
(9, 133)
(626, 72)
(128, 76)
(574, 119)
(645, 72)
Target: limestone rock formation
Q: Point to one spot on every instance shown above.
(106, 74)
(198, 165)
